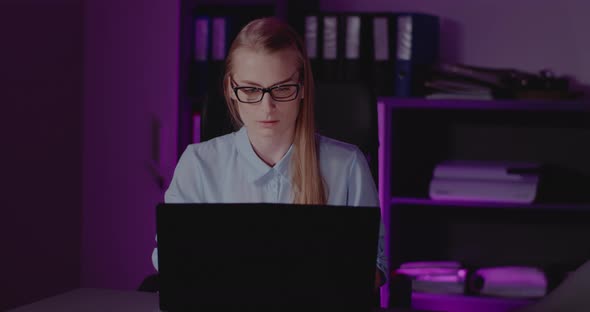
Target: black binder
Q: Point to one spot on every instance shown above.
(416, 52)
(330, 55)
(312, 36)
(214, 112)
(383, 53)
(198, 78)
(357, 47)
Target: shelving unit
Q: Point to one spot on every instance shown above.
(192, 90)
(416, 134)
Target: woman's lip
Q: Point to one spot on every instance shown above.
(268, 121)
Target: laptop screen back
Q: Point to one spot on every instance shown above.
(281, 255)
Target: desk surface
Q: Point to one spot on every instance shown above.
(91, 300)
(95, 300)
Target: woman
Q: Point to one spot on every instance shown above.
(275, 156)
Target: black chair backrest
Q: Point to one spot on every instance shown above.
(347, 111)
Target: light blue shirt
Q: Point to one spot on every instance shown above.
(227, 170)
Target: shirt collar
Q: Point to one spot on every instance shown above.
(257, 168)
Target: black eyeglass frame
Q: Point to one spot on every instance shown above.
(269, 91)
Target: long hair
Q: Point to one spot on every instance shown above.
(271, 35)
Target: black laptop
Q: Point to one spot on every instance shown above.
(268, 256)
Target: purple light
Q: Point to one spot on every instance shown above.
(462, 303)
(462, 273)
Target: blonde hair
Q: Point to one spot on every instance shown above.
(271, 35)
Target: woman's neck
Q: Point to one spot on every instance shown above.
(271, 149)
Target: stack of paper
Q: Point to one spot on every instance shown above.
(495, 181)
(435, 276)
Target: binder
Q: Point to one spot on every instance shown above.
(330, 56)
(201, 47)
(383, 49)
(198, 77)
(417, 49)
(214, 112)
(358, 47)
(366, 47)
(349, 47)
(219, 38)
(220, 41)
(351, 65)
(312, 36)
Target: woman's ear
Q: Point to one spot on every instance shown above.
(302, 92)
(232, 94)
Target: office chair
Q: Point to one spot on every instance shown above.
(150, 283)
(347, 111)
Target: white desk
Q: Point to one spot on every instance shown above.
(570, 296)
(105, 300)
(91, 300)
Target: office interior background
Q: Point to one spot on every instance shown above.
(84, 81)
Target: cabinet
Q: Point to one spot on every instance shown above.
(416, 134)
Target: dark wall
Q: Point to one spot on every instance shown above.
(130, 128)
(41, 106)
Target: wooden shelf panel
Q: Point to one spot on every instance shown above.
(516, 105)
(476, 204)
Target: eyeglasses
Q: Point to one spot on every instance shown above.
(280, 93)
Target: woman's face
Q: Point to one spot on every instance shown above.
(269, 118)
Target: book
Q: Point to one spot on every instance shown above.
(435, 276)
(449, 286)
(509, 281)
(503, 191)
(447, 88)
(458, 96)
(431, 264)
(486, 170)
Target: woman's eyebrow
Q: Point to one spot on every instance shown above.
(259, 85)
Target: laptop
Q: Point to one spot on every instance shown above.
(268, 256)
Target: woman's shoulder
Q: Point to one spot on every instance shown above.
(335, 148)
(214, 148)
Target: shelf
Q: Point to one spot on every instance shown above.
(516, 105)
(457, 303)
(417, 133)
(460, 203)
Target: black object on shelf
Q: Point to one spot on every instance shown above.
(400, 288)
(559, 184)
